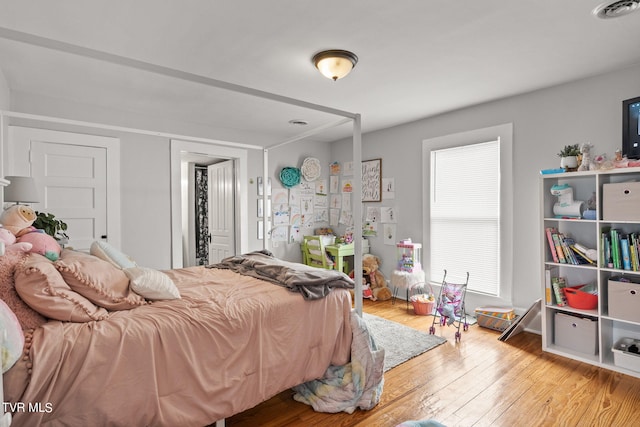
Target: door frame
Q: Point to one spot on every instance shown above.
(20, 164)
(240, 158)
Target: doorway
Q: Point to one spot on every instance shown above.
(229, 234)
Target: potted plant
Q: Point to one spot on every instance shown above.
(52, 226)
(569, 156)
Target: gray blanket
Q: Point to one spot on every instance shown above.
(311, 282)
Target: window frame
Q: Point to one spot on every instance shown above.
(504, 134)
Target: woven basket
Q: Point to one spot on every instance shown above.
(422, 308)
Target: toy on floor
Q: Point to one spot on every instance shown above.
(366, 291)
(374, 278)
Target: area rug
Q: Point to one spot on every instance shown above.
(400, 342)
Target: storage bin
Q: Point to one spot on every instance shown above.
(624, 299)
(620, 201)
(578, 299)
(579, 334)
(496, 318)
(624, 355)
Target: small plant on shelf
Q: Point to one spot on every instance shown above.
(570, 150)
(569, 157)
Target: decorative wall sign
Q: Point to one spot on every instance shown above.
(372, 180)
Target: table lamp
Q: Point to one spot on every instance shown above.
(21, 189)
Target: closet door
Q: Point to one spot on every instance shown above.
(221, 210)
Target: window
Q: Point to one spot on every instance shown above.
(466, 219)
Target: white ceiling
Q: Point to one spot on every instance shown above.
(418, 58)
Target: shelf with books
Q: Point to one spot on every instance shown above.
(596, 251)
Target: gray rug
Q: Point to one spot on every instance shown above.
(400, 342)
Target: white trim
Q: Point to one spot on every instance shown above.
(505, 134)
(220, 151)
(94, 125)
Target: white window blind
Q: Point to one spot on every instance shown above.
(465, 215)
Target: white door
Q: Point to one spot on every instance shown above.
(221, 211)
(73, 172)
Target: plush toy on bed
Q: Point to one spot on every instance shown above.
(9, 241)
(16, 218)
(374, 278)
(43, 244)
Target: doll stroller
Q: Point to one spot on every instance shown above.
(450, 306)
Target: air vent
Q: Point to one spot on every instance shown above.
(616, 9)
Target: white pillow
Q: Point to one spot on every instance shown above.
(106, 252)
(151, 284)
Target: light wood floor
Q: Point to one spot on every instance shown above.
(479, 381)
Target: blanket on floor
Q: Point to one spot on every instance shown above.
(358, 384)
(311, 282)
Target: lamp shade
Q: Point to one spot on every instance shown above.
(335, 64)
(21, 189)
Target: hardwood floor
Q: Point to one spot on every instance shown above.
(479, 381)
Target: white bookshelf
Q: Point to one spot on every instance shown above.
(587, 233)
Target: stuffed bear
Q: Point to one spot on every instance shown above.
(370, 269)
(9, 241)
(43, 244)
(17, 217)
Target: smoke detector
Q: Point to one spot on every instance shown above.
(616, 9)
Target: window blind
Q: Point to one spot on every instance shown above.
(465, 215)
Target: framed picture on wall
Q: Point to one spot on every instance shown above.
(372, 180)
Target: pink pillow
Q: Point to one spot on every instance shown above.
(41, 286)
(97, 280)
(27, 316)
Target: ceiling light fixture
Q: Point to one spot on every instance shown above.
(335, 64)
(616, 9)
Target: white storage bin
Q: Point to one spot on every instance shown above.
(624, 358)
(576, 333)
(624, 300)
(620, 201)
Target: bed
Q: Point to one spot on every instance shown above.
(228, 342)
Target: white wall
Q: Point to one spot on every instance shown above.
(291, 155)
(5, 99)
(145, 173)
(584, 111)
(545, 120)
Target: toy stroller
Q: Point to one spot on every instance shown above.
(450, 306)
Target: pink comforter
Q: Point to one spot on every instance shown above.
(230, 343)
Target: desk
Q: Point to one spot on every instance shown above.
(339, 252)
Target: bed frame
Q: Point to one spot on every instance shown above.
(343, 117)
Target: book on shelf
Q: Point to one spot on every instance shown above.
(565, 250)
(552, 245)
(625, 252)
(557, 283)
(619, 250)
(548, 290)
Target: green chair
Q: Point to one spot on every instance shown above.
(314, 254)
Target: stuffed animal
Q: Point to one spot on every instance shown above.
(376, 280)
(43, 244)
(366, 290)
(10, 244)
(448, 308)
(17, 217)
(587, 162)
